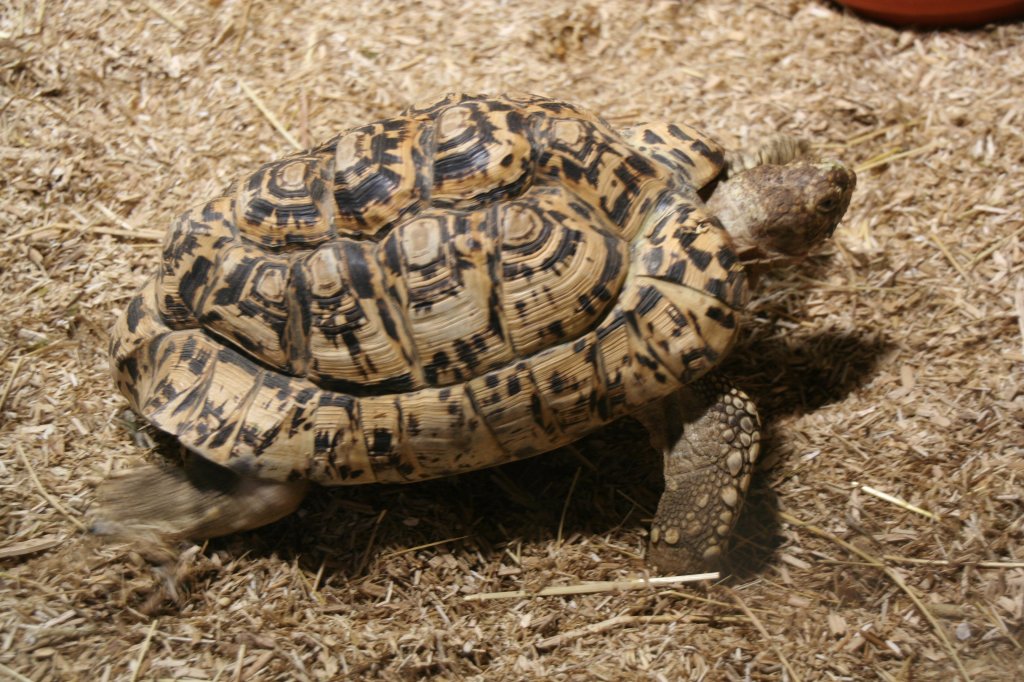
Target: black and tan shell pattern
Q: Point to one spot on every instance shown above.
(475, 281)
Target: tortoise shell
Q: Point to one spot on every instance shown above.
(474, 281)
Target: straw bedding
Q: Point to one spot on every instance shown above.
(891, 362)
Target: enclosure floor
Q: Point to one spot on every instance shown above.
(894, 359)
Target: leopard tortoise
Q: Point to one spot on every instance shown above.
(472, 282)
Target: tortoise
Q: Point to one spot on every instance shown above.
(472, 282)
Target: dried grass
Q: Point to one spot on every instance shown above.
(894, 361)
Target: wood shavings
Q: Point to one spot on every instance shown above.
(618, 622)
(45, 494)
(1018, 300)
(595, 587)
(896, 578)
(269, 115)
(898, 502)
(165, 15)
(764, 633)
(890, 359)
(143, 650)
(29, 546)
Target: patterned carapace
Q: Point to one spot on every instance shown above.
(474, 281)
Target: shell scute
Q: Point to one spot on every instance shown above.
(382, 173)
(287, 203)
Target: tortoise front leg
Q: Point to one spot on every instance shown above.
(709, 436)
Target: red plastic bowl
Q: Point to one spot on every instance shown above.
(936, 13)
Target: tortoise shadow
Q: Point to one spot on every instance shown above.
(343, 533)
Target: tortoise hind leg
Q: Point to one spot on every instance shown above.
(709, 436)
(201, 500)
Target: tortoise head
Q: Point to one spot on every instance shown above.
(783, 209)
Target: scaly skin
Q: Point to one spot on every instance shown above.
(709, 437)
(783, 209)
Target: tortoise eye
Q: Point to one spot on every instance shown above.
(827, 205)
